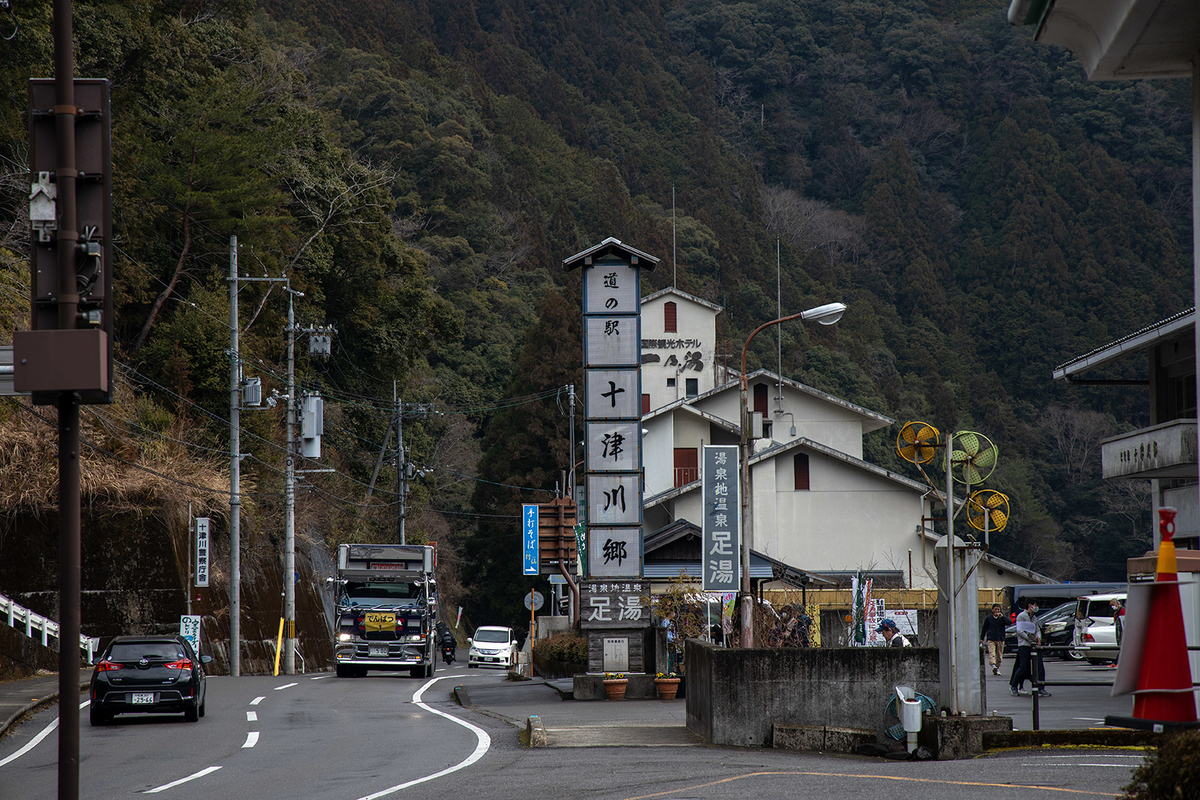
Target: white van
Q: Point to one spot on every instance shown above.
(1095, 633)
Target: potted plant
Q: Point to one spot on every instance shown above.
(667, 684)
(614, 685)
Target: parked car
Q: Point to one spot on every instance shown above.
(148, 675)
(1095, 635)
(492, 646)
(1057, 628)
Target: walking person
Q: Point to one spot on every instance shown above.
(991, 636)
(1029, 634)
(891, 634)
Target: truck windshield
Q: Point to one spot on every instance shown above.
(380, 593)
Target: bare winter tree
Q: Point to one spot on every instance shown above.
(1075, 435)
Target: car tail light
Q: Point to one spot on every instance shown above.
(1087, 637)
(106, 666)
(182, 663)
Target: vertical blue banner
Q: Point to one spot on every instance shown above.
(529, 537)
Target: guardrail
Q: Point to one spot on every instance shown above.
(14, 613)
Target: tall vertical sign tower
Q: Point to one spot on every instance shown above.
(612, 295)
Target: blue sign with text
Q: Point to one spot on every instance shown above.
(529, 536)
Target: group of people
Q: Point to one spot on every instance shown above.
(792, 629)
(1029, 634)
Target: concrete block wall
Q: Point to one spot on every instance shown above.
(735, 697)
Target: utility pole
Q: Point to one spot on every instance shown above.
(235, 471)
(401, 467)
(289, 499)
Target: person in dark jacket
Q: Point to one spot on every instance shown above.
(991, 636)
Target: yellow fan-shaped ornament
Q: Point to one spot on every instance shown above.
(973, 458)
(988, 509)
(918, 442)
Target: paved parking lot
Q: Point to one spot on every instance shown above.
(1068, 706)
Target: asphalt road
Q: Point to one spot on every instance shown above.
(393, 736)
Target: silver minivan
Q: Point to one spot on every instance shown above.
(1095, 632)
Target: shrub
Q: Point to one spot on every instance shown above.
(1173, 770)
(569, 647)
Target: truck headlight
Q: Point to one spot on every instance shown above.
(417, 639)
(344, 637)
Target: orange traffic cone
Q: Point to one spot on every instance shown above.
(1164, 688)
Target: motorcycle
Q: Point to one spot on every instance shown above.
(448, 648)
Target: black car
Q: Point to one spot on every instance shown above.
(148, 675)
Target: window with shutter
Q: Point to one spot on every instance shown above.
(800, 466)
(669, 321)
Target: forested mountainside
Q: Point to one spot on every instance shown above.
(420, 169)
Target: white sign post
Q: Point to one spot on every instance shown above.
(189, 628)
(202, 525)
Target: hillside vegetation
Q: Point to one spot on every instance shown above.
(419, 170)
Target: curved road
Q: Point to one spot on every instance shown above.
(269, 738)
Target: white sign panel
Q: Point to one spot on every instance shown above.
(721, 528)
(613, 499)
(611, 288)
(202, 526)
(614, 446)
(611, 342)
(614, 552)
(189, 628)
(905, 619)
(613, 394)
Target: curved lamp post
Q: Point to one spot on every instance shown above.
(827, 314)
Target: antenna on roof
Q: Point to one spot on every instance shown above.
(779, 328)
(674, 263)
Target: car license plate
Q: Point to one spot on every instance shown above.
(142, 698)
(378, 650)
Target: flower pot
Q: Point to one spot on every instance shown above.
(615, 688)
(667, 687)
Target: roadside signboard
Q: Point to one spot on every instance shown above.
(721, 530)
(529, 537)
(202, 525)
(614, 604)
(189, 628)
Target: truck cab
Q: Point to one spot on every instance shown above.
(386, 610)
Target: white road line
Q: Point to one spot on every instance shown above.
(318, 677)
(285, 686)
(257, 700)
(251, 739)
(481, 747)
(37, 739)
(251, 716)
(173, 784)
(1081, 764)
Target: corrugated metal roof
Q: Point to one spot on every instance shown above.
(1138, 340)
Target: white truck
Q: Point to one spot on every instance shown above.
(386, 609)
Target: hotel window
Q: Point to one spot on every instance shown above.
(669, 322)
(692, 386)
(760, 399)
(645, 404)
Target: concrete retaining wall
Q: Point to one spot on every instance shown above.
(735, 697)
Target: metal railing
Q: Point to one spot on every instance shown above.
(26, 621)
(1039, 668)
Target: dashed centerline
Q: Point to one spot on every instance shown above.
(251, 739)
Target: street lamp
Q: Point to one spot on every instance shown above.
(827, 314)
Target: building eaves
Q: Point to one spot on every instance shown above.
(780, 449)
(680, 293)
(610, 245)
(878, 420)
(1134, 342)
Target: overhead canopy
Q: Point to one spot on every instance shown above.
(1118, 38)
